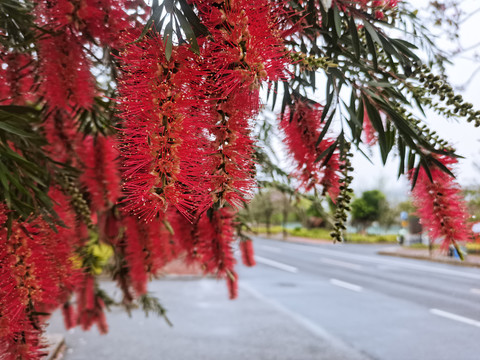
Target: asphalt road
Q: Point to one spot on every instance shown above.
(301, 302)
(383, 307)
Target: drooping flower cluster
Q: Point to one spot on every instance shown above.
(302, 126)
(369, 132)
(16, 74)
(37, 274)
(440, 205)
(71, 27)
(187, 139)
(246, 248)
(101, 175)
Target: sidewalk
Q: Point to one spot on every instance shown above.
(437, 256)
(206, 326)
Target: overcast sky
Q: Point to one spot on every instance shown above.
(464, 136)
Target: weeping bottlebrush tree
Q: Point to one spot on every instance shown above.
(130, 136)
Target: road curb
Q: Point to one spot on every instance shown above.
(465, 263)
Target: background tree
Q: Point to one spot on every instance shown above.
(368, 208)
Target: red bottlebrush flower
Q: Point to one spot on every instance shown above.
(248, 257)
(440, 205)
(62, 136)
(232, 284)
(69, 316)
(101, 175)
(161, 245)
(21, 293)
(90, 307)
(185, 235)
(157, 98)
(135, 254)
(16, 76)
(103, 19)
(65, 71)
(302, 127)
(215, 238)
(232, 166)
(98, 19)
(369, 132)
(3, 216)
(246, 46)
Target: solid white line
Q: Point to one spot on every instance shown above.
(346, 285)
(343, 254)
(341, 263)
(276, 264)
(455, 317)
(475, 291)
(271, 248)
(348, 352)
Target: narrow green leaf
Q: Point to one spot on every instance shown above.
(371, 49)
(326, 127)
(354, 34)
(189, 33)
(198, 27)
(169, 40)
(337, 21)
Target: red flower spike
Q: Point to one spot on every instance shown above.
(98, 19)
(101, 175)
(440, 205)
(90, 307)
(16, 78)
(248, 257)
(302, 127)
(157, 98)
(69, 316)
(62, 136)
(135, 255)
(369, 132)
(65, 71)
(215, 238)
(232, 284)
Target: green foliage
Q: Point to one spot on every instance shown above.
(369, 207)
(324, 234)
(25, 170)
(151, 304)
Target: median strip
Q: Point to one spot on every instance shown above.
(276, 264)
(346, 285)
(455, 317)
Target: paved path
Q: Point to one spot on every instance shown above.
(207, 326)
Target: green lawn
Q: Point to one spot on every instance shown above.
(325, 234)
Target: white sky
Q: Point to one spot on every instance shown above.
(464, 136)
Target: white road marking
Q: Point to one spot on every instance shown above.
(371, 259)
(348, 352)
(346, 285)
(271, 248)
(475, 291)
(455, 317)
(276, 264)
(341, 263)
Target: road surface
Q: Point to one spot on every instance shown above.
(386, 308)
(302, 302)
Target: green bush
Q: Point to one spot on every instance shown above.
(473, 248)
(319, 233)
